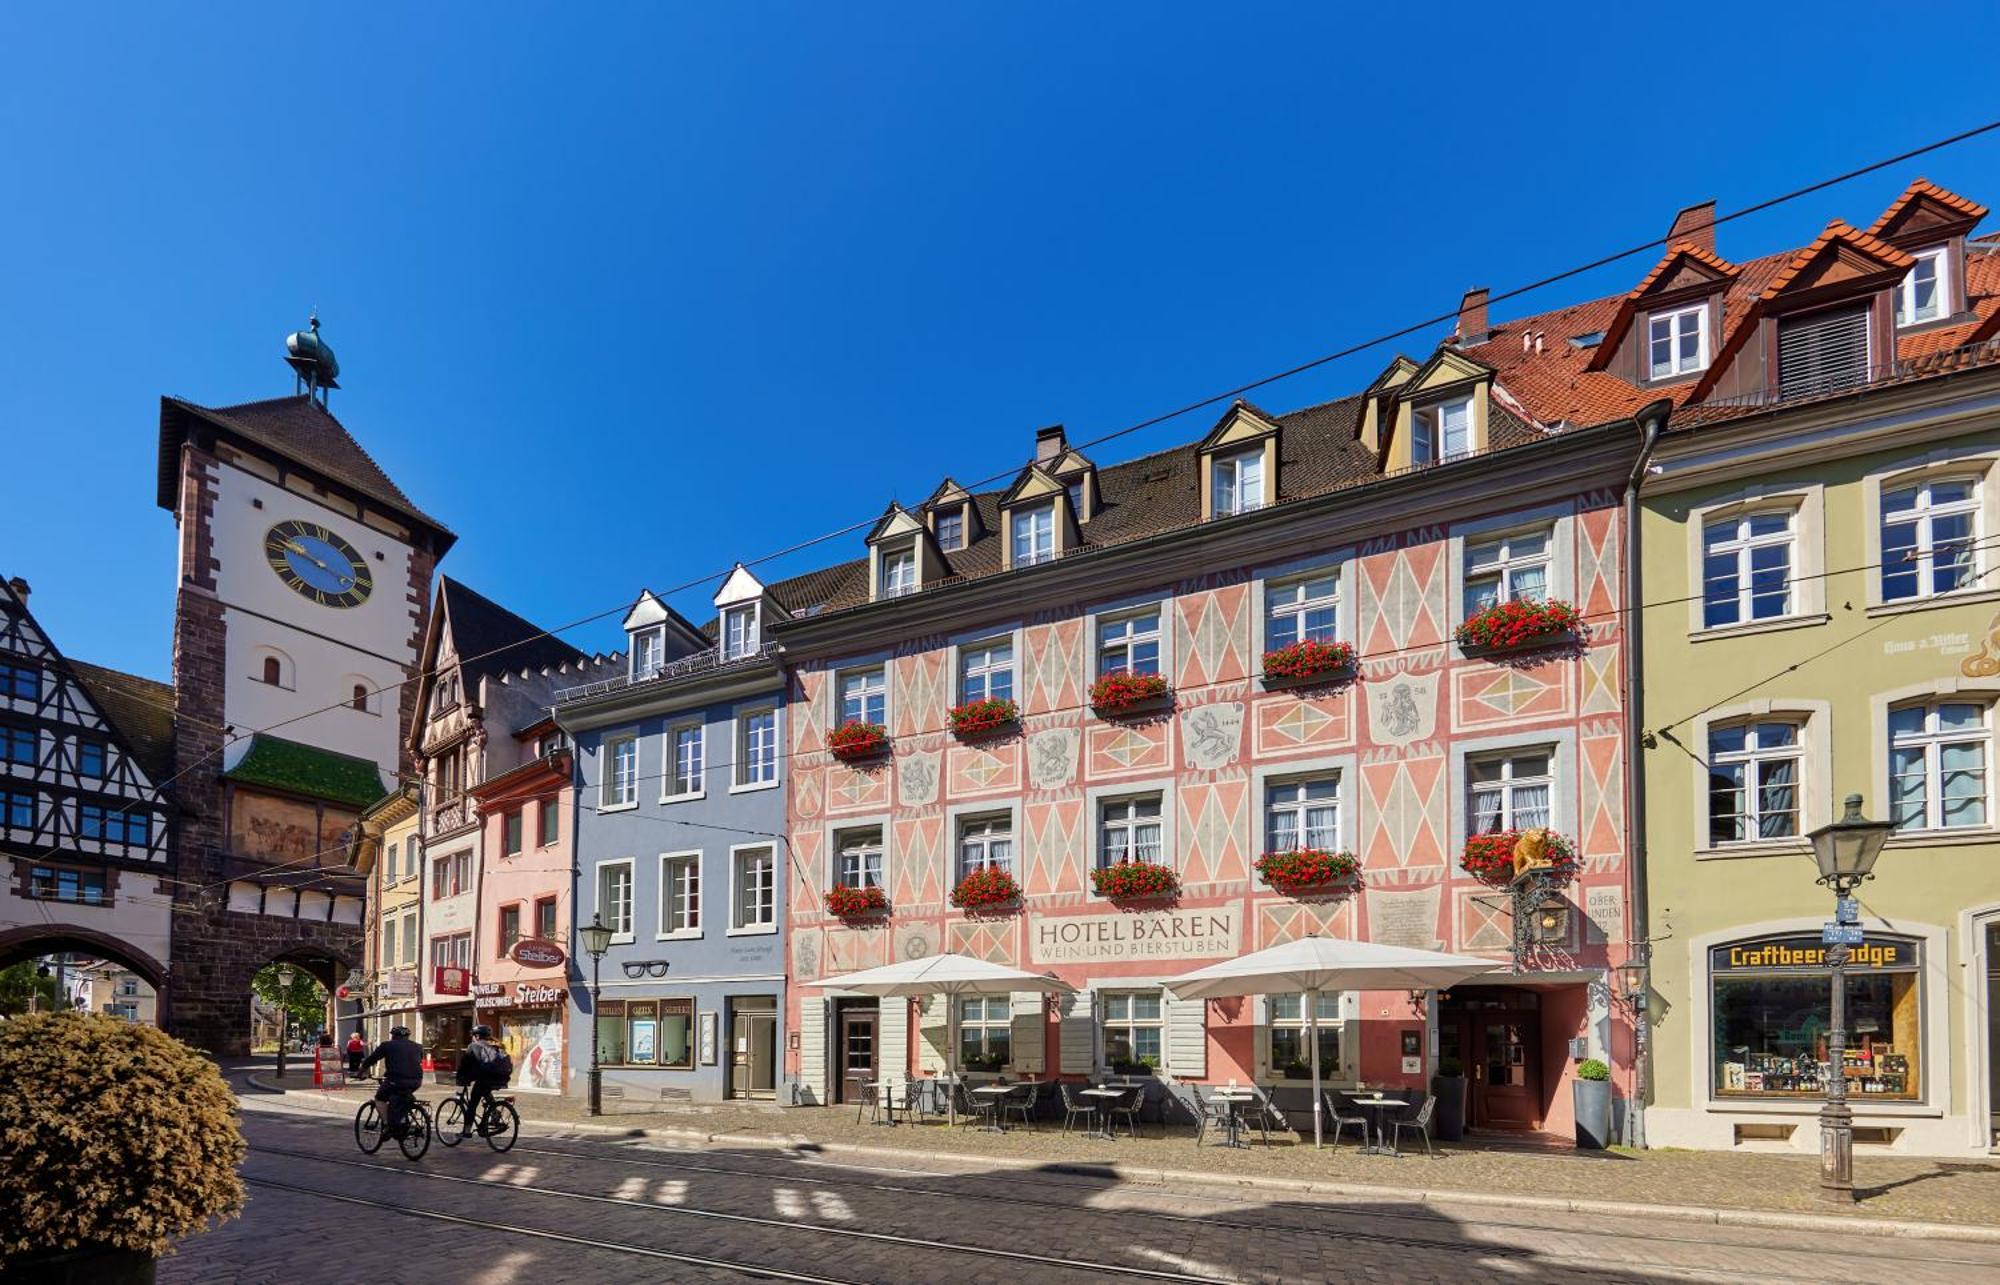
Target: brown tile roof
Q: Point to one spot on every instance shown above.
(490, 639)
(141, 711)
(1924, 187)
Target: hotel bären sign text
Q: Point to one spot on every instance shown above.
(1164, 934)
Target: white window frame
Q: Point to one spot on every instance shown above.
(975, 839)
(899, 569)
(1130, 638)
(737, 925)
(1121, 814)
(1236, 482)
(1940, 258)
(1509, 564)
(739, 630)
(645, 640)
(976, 660)
(1288, 598)
(1510, 783)
(740, 775)
(872, 684)
(1932, 742)
(698, 766)
(1334, 1024)
(1106, 1023)
(1752, 759)
(687, 904)
(1743, 546)
(1040, 529)
(631, 897)
(1924, 515)
(986, 1023)
(867, 849)
(956, 516)
(611, 795)
(411, 946)
(1432, 430)
(1679, 362)
(1300, 807)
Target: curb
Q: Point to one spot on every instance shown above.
(1754, 1218)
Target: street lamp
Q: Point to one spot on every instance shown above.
(596, 940)
(1846, 852)
(285, 976)
(1635, 984)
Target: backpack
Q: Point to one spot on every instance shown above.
(497, 1067)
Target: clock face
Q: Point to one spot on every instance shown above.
(317, 564)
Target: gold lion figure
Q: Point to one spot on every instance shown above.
(1531, 851)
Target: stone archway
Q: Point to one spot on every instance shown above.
(31, 941)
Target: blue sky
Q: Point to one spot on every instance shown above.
(624, 295)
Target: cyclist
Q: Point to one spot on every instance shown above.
(402, 1060)
(485, 1066)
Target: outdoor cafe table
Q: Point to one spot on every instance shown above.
(1102, 1098)
(1233, 1098)
(1375, 1106)
(989, 1096)
(886, 1093)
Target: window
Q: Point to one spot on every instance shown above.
(21, 809)
(274, 672)
(453, 951)
(545, 919)
(512, 824)
(650, 1032)
(23, 682)
(1302, 814)
(392, 857)
(451, 875)
(1746, 568)
(1236, 482)
(1302, 610)
(1289, 1051)
(551, 820)
(757, 748)
(1443, 431)
(1132, 1028)
(357, 698)
(1129, 644)
(739, 631)
(1771, 1004)
(413, 858)
(1129, 830)
(860, 860)
(620, 787)
(1034, 533)
(18, 745)
(985, 1033)
(951, 529)
(614, 898)
(1921, 295)
(684, 763)
(409, 955)
(864, 696)
(1678, 342)
(1822, 352)
(986, 671)
(1074, 487)
(54, 883)
(510, 928)
(90, 757)
(1508, 568)
(1510, 793)
(1930, 534)
(756, 899)
(113, 826)
(1753, 782)
(899, 571)
(985, 843)
(448, 775)
(680, 894)
(1937, 765)
(647, 651)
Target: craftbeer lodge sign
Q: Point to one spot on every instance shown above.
(1167, 934)
(536, 952)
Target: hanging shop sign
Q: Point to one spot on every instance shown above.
(1805, 952)
(452, 980)
(537, 952)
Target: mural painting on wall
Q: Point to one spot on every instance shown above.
(261, 825)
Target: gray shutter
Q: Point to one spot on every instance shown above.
(1823, 351)
(892, 1038)
(1260, 1011)
(934, 1035)
(1077, 1047)
(1350, 1037)
(812, 1051)
(1030, 1033)
(1187, 1038)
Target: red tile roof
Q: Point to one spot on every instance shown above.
(1924, 187)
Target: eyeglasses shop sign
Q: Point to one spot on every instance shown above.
(1165, 934)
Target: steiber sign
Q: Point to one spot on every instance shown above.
(534, 952)
(1165, 934)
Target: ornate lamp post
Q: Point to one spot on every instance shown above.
(1635, 983)
(596, 940)
(1846, 852)
(285, 976)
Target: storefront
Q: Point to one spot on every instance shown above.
(528, 1020)
(1771, 1002)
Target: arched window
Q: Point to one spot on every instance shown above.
(274, 670)
(272, 666)
(360, 697)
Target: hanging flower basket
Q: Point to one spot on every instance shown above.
(849, 902)
(1516, 623)
(1134, 879)
(1307, 662)
(854, 742)
(987, 889)
(1490, 857)
(984, 717)
(1305, 870)
(1122, 693)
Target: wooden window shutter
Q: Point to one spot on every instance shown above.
(892, 1038)
(1187, 1038)
(1078, 1039)
(1029, 1019)
(935, 1033)
(812, 1051)
(1822, 351)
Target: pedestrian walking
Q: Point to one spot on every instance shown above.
(357, 1048)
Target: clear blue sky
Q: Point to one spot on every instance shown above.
(626, 295)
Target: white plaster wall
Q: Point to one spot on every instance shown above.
(140, 916)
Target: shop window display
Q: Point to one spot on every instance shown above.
(1772, 1004)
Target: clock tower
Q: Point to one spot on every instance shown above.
(304, 585)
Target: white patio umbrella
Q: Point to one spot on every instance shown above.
(1311, 965)
(951, 976)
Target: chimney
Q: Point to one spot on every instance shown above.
(1049, 444)
(1696, 226)
(1472, 318)
(20, 588)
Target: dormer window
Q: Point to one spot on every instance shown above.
(1677, 342)
(1443, 431)
(1033, 532)
(899, 571)
(1237, 482)
(647, 649)
(1075, 489)
(1822, 352)
(1922, 293)
(739, 631)
(951, 530)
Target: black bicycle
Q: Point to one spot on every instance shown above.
(371, 1129)
(499, 1123)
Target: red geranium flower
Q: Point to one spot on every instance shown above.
(1518, 622)
(985, 889)
(976, 718)
(843, 900)
(1119, 691)
(1306, 868)
(856, 740)
(1308, 659)
(1490, 857)
(1134, 879)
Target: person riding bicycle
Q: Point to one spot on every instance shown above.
(402, 1060)
(485, 1066)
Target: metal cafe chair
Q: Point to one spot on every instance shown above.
(1020, 1101)
(1421, 1122)
(1341, 1119)
(861, 1090)
(1128, 1107)
(1265, 1114)
(1074, 1110)
(1208, 1111)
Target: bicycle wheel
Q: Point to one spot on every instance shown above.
(416, 1137)
(503, 1126)
(450, 1119)
(368, 1130)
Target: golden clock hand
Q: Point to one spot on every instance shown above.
(301, 550)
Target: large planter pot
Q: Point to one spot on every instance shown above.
(1593, 1114)
(85, 1265)
(1448, 1121)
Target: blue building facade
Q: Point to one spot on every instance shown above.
(680, 850)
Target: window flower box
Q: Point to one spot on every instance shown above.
(983, 717)
(1134, 879)
(1307, 662)
(1307, 870)
(849, 903)
(1490, 857)
(987, 889)
(1518, 623)
(856, 742)
(1120, 693)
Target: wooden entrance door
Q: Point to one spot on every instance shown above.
(753, 1055)
(1506, 1067)
(858, 1049)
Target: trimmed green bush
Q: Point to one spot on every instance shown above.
(1592, 1069)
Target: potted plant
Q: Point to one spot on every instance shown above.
(1592, 1098)
(1516, 623)
(855, 741)
(1134, 1065)
(986, 889)
(985, 1062)
(120, 1141)
(1307, 870)
(1297, 1069)
(1134, 879)
(849, 902)
(1448, 1087)
(1490, 857)
(1119, 693)
(983, 717)
(1308, 661)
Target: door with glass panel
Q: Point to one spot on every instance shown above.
(857, 1051)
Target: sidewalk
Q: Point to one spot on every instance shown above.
(1712, 1186)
